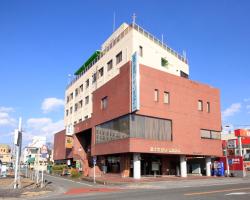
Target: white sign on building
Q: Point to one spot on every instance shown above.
(135, 82)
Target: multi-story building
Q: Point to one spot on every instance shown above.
(133, 107)
(5, 154)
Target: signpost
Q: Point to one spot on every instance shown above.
(18, 144)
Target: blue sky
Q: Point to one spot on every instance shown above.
(41, 42)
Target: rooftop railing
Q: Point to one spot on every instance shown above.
(118, 38)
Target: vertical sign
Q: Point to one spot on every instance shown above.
(135, 83)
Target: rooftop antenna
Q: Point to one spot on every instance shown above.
(114, 22)
(133, 19)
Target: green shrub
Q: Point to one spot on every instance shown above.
(75, 173)
(58, 169)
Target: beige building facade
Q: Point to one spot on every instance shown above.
(5, 153)
(114, 53)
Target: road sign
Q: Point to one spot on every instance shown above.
(94, 160)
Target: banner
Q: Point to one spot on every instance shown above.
(69, 142)
(135, 83)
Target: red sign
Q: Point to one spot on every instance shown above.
(235, 162)
(242, 133)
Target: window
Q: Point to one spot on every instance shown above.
(76, 92)
(183, 74)
(94, 78)
(119, 57)
(80, 120)
(209, 134)
(156, 95)
(166, 97)
(100, 72)
(208, 107)
(67, 112)
(141, 51)
(104, 103)
(71, 109)
(67, 99)
(86, 100)
(80, 104)
(81, 88)
(134, 126)
(86, 117)
(164, 62)
(110, 64)
(76, 107)
(71, 96)
(200, 105)
(87, 83)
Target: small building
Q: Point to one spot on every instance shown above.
(5, 154)
(133, 109)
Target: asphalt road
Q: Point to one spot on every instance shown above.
(207, 189)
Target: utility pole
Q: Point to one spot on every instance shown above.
(18, 144)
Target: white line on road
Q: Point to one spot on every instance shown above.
(69, 180)
(236, 193)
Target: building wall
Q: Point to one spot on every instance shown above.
(5, 153)
(60, 151)
(152, 54)
(182, 110)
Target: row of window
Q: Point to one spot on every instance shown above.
(95, 76)
(5, 150)
(200, 106)
(104, 105)
(166, 96)
(77, 106)
(209, 134)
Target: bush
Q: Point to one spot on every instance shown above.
(58, 169)
(75, 173)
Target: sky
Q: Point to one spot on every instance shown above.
(43, 41)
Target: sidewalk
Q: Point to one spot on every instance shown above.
(116, 179)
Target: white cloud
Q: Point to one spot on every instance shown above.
(42, 127)
(231, 110)
(5, 118)
(246, 99)
(52, 104)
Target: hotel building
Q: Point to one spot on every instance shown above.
(133, 108)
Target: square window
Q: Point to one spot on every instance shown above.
(80, 104)
(87, 83)
(200, 105)
(166, 97)
(164, 62)
(110, 65)
(119, 57)
(100, 72)
(141, 51)
(81, 87)
(208, 107)
(76, 107)
(86, 100)
(156, 95)
(104, 103)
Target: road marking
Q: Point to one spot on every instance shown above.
(236, 193)
(215, 191)
(69, 180)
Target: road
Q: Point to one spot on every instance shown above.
(207, 189)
